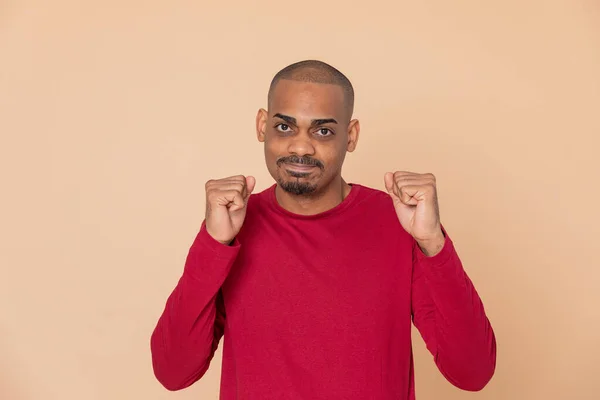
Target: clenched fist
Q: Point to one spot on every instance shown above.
(416, 203)
(226, 201)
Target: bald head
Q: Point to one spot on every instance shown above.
(315, 71)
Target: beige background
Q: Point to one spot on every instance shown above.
(113, 114)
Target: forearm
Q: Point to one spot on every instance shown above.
(187, 333)
(464, 341)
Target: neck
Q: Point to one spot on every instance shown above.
(315, 203)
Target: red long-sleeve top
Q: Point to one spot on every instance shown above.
(320, 307)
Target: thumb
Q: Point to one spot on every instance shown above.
(250, 184)
(389, 182)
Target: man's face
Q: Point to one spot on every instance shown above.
(307, 132)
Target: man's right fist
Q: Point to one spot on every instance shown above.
(226, 201)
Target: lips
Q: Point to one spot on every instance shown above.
(299, 167)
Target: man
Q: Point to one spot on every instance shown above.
(313, 283)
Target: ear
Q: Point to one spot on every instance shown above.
(261, 124)
(353, 133)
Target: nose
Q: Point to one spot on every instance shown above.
(301, 145)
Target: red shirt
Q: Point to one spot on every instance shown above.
(320, 307)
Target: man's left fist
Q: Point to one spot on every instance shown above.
(416, 203)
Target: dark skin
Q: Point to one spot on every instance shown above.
(308, 129)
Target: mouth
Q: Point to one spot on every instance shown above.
(299, 168)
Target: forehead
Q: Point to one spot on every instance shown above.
(307, 99)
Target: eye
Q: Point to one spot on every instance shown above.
(283, 128)
(325, 132)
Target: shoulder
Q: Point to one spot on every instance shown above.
(377, 209)
(375, 202)
(259, 200)
(372, 196)
(262, 195)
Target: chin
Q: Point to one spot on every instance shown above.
(297, 187)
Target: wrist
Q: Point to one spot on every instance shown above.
(225, 242)
(218, 239)
(433, 245)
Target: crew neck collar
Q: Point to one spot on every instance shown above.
(348, 200)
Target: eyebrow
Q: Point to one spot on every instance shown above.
(314, 122)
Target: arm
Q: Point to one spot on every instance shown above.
(451, 318)
(187, 334)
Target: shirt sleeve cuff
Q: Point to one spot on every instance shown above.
(204, 241)
(441, 257)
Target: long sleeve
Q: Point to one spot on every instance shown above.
(188, 332)
(450, 317)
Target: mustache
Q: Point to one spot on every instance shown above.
(300, 160)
